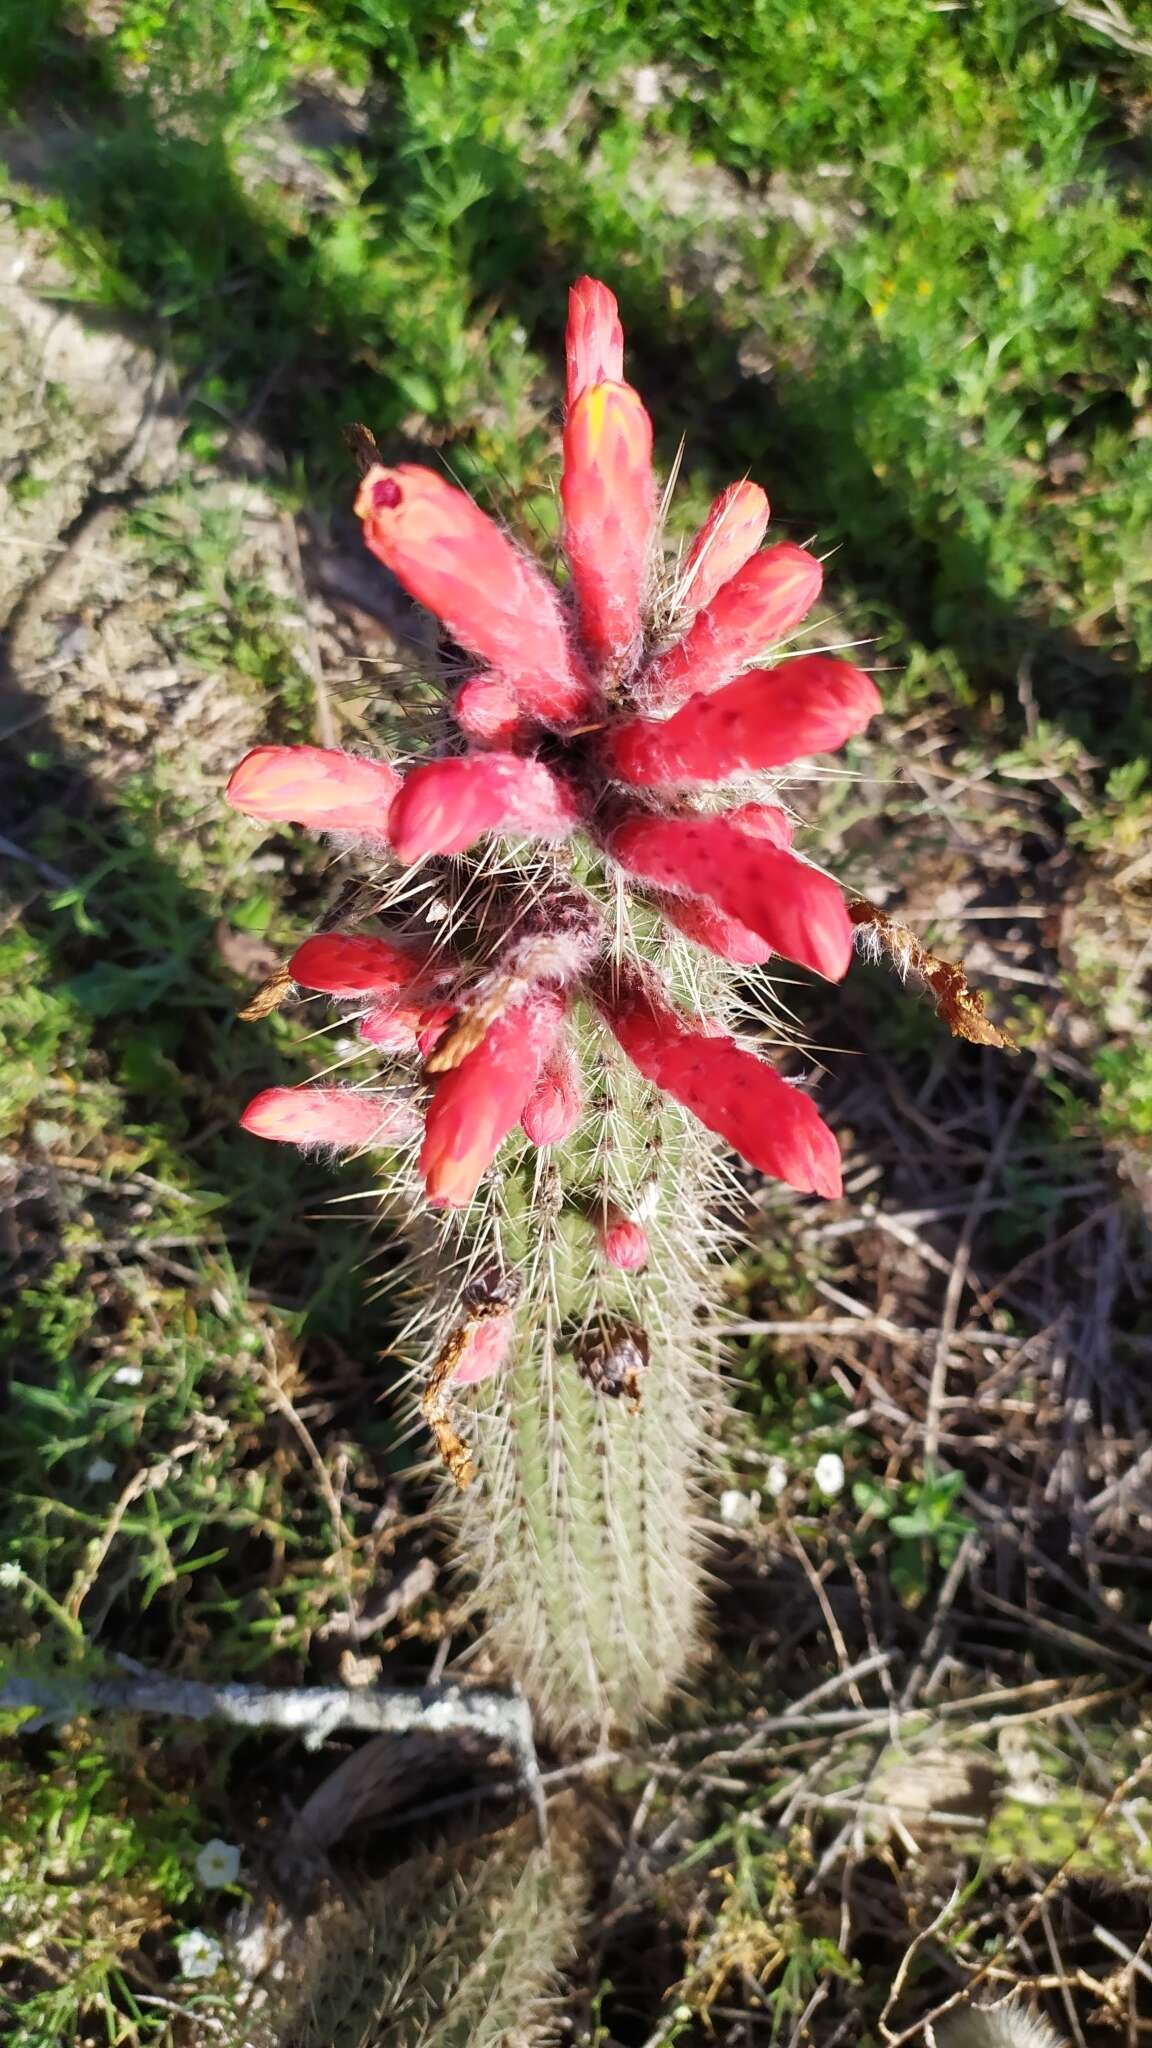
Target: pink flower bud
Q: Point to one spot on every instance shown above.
(763, 720)
(595, 340)
(623, 1241)
(800, 913)
(446, 805)
(730, 535)
(346, 964)
(391, 1027)
(755, 609)
(455, 560)
(329, 1116)
(488, 710)
(475, 1105)
(609, 499)
(316, 786)
(731, 1091)
(483, 1351)
(555, 1105)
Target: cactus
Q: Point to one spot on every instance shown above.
(561, 911)
(461, 1950)
(1008, 2024)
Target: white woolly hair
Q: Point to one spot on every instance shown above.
(1010, 2024)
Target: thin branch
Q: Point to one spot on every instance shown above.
(313, 1712)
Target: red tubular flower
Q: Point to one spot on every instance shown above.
(702, 921)
(329, 1116)
(800, 913)
(555, 1105)
(732, 532)
(446, 805)
(594, 344)
(609, 499)
(756, 608)
(482, 1351)
(455, 560)
(763, 720)
(623, 1241)
(731, 1091)
(315, 786)
(475, 1105)
(488, 710)
(346, 964)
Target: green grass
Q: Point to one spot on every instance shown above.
(892, 261)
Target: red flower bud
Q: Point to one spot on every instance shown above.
(763, 720)
(623, 1241)
(316, 786)
(346, 964)
(731, 1091)
(800, 913)
(488, 710)
(455, 560)
(756, 608)
(446, 805)
(483, 1351)
(701, 921)
(595, 340)
(329, 1116)
(609, 499)
(763, 821)
(555, 1105)
(732, 532)
(475, 1105)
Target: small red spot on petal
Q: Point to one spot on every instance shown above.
(386, 493)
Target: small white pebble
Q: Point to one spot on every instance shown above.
(776, 1477)
(829, 1473)
(99, 1470)
(218, 1863)
(199, 1954)
(128, 1375)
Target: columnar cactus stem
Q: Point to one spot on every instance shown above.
(457, 1951)
(574, 881)
(591, 1447)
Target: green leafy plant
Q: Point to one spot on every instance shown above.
(925, 1518)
